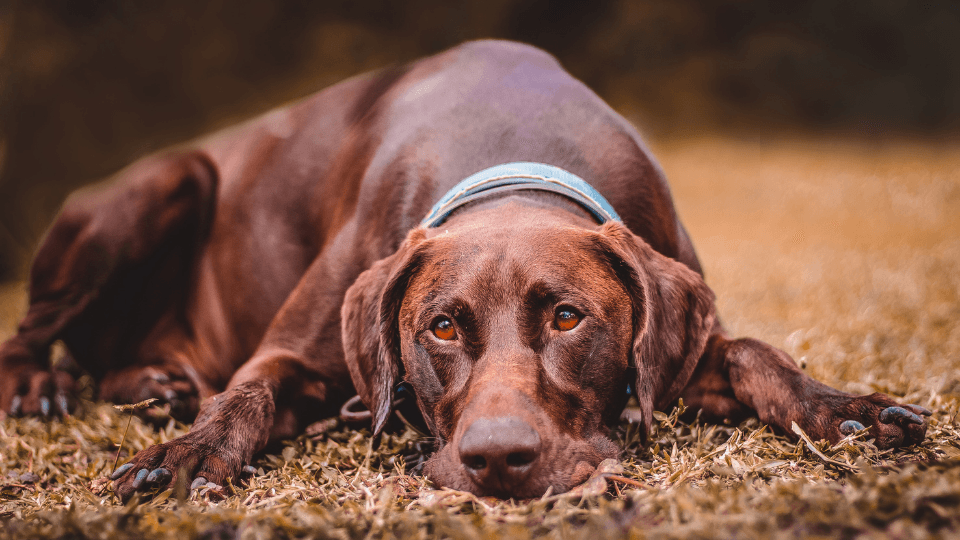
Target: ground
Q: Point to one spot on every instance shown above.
(846, 254)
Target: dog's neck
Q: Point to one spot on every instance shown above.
(546, 182)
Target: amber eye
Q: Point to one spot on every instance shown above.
(444, 329)
(566, 319)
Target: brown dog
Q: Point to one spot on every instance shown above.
(266, 274)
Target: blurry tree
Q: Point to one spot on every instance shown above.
(88, 85)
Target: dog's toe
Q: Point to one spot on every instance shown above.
(173, 389)
(38, 392)
(919, 409)
(900, 416)
(198, 483)
(16, 405)
(848, 427)
(159, 476)
(139, 478)
(121, 470)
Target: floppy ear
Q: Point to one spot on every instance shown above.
(370, 327)
(673, 317)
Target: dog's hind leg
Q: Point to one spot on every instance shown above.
(116, 261)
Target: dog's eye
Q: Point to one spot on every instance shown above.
(443, 329)
(566, 319)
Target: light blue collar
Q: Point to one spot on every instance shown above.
(518, 176)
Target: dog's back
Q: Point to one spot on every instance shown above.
(361, 163)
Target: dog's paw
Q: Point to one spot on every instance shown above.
(891, 424)
(27, 389)
(229, 429)
(168, 385)
(185, 461)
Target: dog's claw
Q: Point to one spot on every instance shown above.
(920, 409)
(249, 470)
(198, 483)
(160, 475)
(850, 426)
(899, 415)
(138, 480)
(45, 406)
(15, 405)
(121, 470)
(63, 406)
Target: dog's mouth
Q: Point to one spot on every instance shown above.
(502, 469)
(506, 457)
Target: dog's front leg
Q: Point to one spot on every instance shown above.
(296, 376)
(736, 378)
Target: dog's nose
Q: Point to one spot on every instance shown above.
(499, 453)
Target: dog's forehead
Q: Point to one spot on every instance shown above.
(528, 252)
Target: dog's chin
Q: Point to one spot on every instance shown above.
(565, 465)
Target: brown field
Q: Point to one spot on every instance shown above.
(846, 254)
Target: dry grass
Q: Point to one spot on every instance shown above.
(844, 254)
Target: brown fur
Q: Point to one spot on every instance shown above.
(275, 269)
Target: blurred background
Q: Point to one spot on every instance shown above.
(86, 86)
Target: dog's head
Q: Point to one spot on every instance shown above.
(520, 343)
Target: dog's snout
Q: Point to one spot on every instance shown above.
(499, 453)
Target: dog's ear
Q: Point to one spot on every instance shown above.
(673, 317)
(370, 327)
